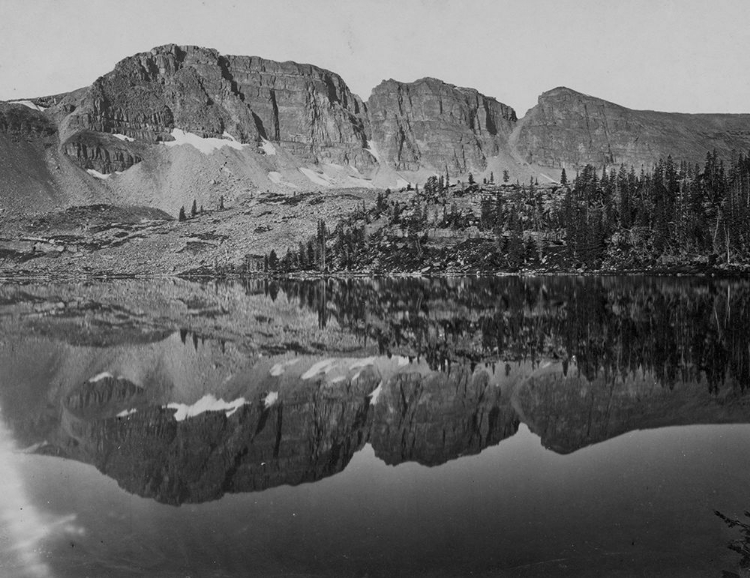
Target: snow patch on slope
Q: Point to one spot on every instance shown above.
(277, 179)
(29, 104)
(317, 178)
(267, 147)
(123, 137)
(376, 394)
(271, 398)
(372, 149)
(97, 174)
(204, 145)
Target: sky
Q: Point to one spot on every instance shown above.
(670, 55)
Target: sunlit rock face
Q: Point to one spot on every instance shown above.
(431, 124)
(570, 129)
(311, 111)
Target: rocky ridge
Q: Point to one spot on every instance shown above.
(429, 123)
(567, 129)
(178, 123)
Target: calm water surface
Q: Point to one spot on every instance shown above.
(491, 427)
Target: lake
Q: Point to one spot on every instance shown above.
(514, 426)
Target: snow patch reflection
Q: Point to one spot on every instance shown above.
(321, 367)
(204, 404)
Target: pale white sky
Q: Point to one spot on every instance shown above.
(686, 56)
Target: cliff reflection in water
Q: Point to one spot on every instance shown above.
(422, 370)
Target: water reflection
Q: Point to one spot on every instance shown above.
(186, 393)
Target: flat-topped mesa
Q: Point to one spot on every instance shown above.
(570, 129)
(429, 123)
(307, 109)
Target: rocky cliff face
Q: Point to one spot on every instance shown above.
(569, 129)
(309, 110)
(435, 125)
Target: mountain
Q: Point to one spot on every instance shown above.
(183, 123)
(434, 125)
(570, 129)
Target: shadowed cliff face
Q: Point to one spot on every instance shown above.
(306, 432)
(312, 434)
(434, 418)
(431, 124)
(570, 129)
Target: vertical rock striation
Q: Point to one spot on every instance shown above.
(435, 125)
(309, 110)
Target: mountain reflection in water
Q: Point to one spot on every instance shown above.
(183, 393)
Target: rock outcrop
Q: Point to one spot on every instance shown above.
(567, 129)
(431, 124)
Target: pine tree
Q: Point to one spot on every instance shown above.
(563, 178)
(506, 176)
(273, 260)
(194, 209)
(181, 216)
(471, 179)
(321, 238)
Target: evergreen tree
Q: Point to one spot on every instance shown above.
(181, 216)
(321, 238)
(563, 178)
(506, 176)
(194, 209)
(302, 256)
(273, 260)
